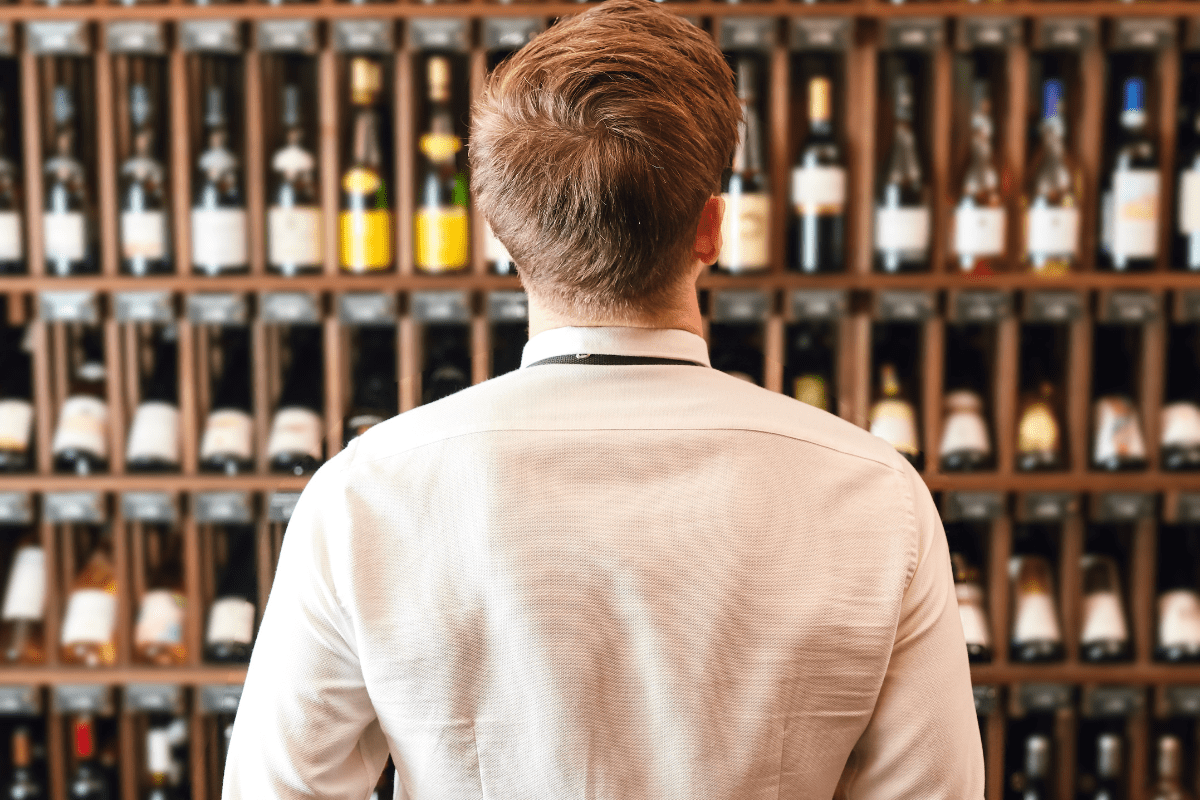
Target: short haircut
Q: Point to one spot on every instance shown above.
(593, 150)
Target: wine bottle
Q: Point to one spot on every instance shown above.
(296, 442)
(1186, 248)
(1110, 778)
(1034, 782)
(66, 223)
(1104, 635)
(12, 224)
(1170, 771)
(21, 631)
(902, 220)
(158, 635)
(1036, 632)
(810, 367)
(88, 782)
(294, 238)
(1039, 427)
(745, 246)
(979, 219)
(154, 434)
(1130, 189)
(893, 417)
(229, 637)
(1181, 413)
(1118, 443)
(22, 786)
(365, 221)
(441, 231)
(90, 623)
(145, 246)
(447, 363)
(227, 445)
(965, 444)
(968, 588)
(218, 205)
(1178, 639)
(819, 189)
(1053, 195)
(158, 765)
(498, 258)
(374, 388)
(16, 406)
(80, 443)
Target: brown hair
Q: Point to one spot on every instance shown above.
(593, 150)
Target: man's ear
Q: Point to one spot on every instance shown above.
(707, 244)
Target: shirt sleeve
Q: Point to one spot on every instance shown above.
(305, 726)
(923, 738)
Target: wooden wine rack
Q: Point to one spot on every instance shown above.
(872, 25)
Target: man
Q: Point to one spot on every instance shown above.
(615, 573)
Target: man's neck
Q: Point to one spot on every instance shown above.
(543, 319)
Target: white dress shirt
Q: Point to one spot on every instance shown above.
(630, 582)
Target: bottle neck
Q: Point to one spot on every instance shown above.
(366, 139)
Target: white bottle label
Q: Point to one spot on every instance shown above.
(1189, 201)
(1178, 618)
(154, 433)
(91, 617)
(1135, 213)
(16, 424)
(744, 242)
(294, 236)
(64, 235)
(818, 190)
(1035, 618)
(227, 432)
(494, 250)
(970, 611)
(903, 229)
(965, 431)
(1181, 425)
(894, 422)
(1118, 431)
(25, 597)
(1103, 618)
(1053, 231)
(219, 237)
(12, 243)
(160, 620)
(83, 425)
(295, 430)
(231, 620)
(979, 231)
(143, 234)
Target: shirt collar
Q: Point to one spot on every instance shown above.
(617, 341)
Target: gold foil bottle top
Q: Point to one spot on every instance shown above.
(819, 106)
(439, 79)
(889, 380)
(366, 81)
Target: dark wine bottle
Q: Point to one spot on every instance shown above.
(22, 786)
(229, 637)
(810, 367)
(12, 222)
(1036, 631)
(88, 782)
(154, 433)
(1104, 632)
(16, 402)
(218, 203)
(66, 216)
(447, 363)
(1110, 769)
(968, 588)
(374, 386)
(145, 245)
(1117, 444)
(819, 189)
(227, 445)
(296, 444)
(902, 218)
(1181, 412)
(746, 224)
(1178, 639)
(1035, 783)
(81, 438)
(1186, 238)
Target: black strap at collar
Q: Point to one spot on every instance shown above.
(604, 359)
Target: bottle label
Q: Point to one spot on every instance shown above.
(441, 238)
(160, 620)
(1035, 618)
(1103, 618)
(228, 432)
(16, 424)
(819, 190)
(231, 620)
(91, 617)
(25, 597)
(894, 422)
(64, 235)
(219, 237)
(83, 425)
(1053, 231)
(1181, 425)
(965, 431)
(979, 231)
(1189, 201)
(294, 236)
(811, 389)
(11, 242)
(744, 243)
(143, 234)
(1178, 618)
(902, 229)
(295, 430)
(154, 433)
(970, 611)
(1118, 433)
(366, 240)
(494, 250)
(1135, 213)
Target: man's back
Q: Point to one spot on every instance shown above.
(635, 581)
